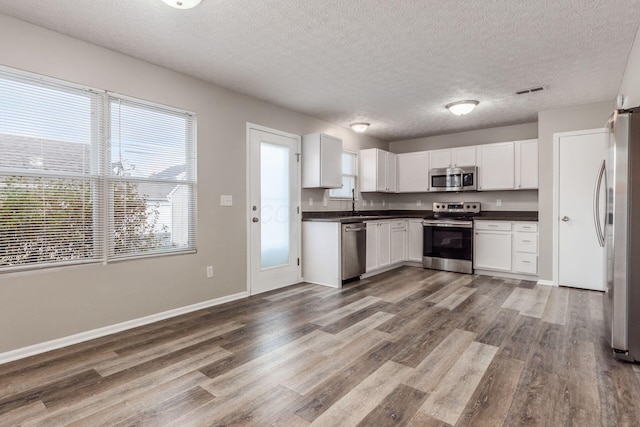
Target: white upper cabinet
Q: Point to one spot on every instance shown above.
(321, 161)
(377, 171)
(392, 172)
(413, 172)
(440, 158)
(496, 166)
(463, 156)
(526, 167)
(453, 157)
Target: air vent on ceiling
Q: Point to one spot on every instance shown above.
(531, 90)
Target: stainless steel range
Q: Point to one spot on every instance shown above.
(448, 236)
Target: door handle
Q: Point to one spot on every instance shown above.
(596, 205)
(565, 218)
(254, 219)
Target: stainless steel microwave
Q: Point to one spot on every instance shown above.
(463, 178)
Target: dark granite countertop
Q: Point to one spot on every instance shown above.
(371, 215)
(508, 215)
(364, 215)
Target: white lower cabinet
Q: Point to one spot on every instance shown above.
(389, 243)
(398, 241)
(525, 248)
(414, 240)
(492, 246)
(378, 245)
(321, 253)
(506, 246)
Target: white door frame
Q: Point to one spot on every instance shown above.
(248, 215)
(556, 194)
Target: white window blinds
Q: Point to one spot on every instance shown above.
(88, 177)
(151, 179)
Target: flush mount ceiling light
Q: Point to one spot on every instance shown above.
(359, 127)
(460, 108)
(182, 4)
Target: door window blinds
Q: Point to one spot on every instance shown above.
(87, 176)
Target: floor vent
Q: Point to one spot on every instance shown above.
(531, 90)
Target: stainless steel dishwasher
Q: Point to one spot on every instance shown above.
(354, 250)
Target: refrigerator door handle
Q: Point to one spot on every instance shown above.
(596, 205)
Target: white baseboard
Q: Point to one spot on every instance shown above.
(44, 347)
(546, 282)
(505, 274)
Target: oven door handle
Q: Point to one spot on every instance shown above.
(457, 224)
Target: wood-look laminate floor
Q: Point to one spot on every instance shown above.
(408, 347)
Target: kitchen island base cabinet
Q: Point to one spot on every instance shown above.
(321, 260)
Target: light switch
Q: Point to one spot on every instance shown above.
(226, 200)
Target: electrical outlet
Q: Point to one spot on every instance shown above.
(209, 271)
(499, 202)
(384, 202)
(419, 203)
(226, 200)
(325, 201)
(364, 203)
(310, 201)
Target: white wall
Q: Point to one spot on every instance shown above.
(630, 85)
(590, 116)
(473, 137)
(520, 200)
(43, 305)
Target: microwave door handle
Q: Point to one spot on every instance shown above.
(452, 173)
(596, 205)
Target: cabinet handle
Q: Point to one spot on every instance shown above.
(526, 262)
(492, 226)
(526, 241)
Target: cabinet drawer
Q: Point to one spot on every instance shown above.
(491, 225)
(526, 242)
(525, 263)
(398, 224)
(526, 227)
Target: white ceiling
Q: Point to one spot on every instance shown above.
(393, 63)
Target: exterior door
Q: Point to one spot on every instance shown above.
(580, 261)
(274, 219)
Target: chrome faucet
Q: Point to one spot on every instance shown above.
(353, 201)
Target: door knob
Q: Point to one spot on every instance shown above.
(565, 218)
(254, 219)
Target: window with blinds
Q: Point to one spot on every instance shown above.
(90, 176)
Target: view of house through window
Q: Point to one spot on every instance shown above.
(81, 184)
(349, 177)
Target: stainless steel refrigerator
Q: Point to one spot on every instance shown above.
(622, 235)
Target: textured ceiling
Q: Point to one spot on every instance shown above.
(393, 63)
